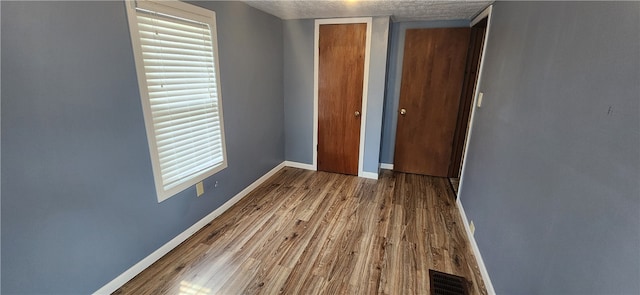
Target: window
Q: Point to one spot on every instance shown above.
(176, 56)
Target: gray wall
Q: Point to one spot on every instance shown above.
(298, 89)
(394, 77)
(375, 100)
(298, 85)
(553, 169)
(78, 200)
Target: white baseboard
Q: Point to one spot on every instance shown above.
(476, 251)
(300, 165)
(153, 257)
(370, 175)
(311, 167)
(386, 166)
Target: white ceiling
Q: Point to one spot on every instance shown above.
(400, 10)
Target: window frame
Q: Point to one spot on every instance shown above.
(190, 12)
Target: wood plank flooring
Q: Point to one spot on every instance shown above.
(307, 232)
(455, 184)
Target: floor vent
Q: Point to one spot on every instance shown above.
(447, 284)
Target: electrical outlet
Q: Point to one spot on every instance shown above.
(472, 227)
(199, 188)
(215, 184)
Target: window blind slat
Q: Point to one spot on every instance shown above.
(155, 20)
(197, 95)
(167, 63)
(178, 81)
(161, 39)
(194, 48)
(171, 114)
(199, 163)
(169, 137)
(210, 80)
(175, 158)
(172, 27)
(176, 142)
(181, 161)
(179, 90)
(196, 143)
(192, 148)
(176, 75)
(205, 126)
(173, 87)
(199, 100)
(175, 68)
(175, 162)
(177, 57)
(163, 49)
(188, 163)
(170, 30)
(177, 114)
(195, 162)
(172, 126)
(182, 118)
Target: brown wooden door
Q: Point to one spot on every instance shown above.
(476, 42)
(340, 82)
(432, 75)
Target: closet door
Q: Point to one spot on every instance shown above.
(432, 75)
(340, 86)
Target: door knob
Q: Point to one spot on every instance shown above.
(403, 111)
(357, 114)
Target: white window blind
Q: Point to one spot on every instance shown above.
(180, 92)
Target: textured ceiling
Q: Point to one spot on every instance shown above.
(400, 10)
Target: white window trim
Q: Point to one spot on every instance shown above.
(191, 12)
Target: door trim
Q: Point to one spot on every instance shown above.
(365, 85)
(485, 13)
(483, 270)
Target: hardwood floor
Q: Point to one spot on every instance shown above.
(306, 232)
(455, 184)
